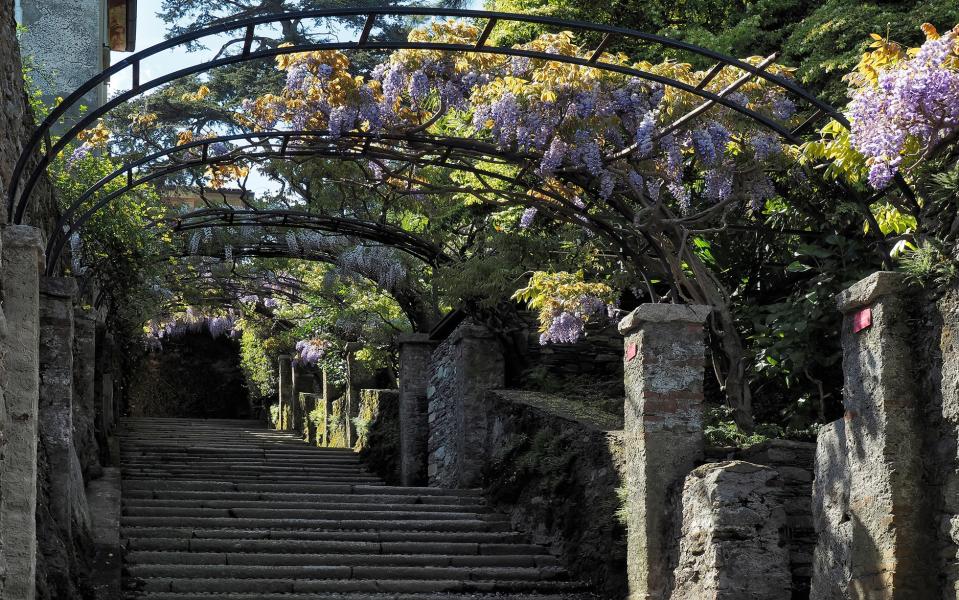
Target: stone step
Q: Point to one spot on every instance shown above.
(388, 496)
(306, 514)
(246, 470)
(378, 536)
(229, 511)
(392, 505)
(354, 596)
(330, 584)
(298, 488)
(265, 478)
(341, 572)
(526, 561)
(210, 460)
(386, 524)
(262, 547)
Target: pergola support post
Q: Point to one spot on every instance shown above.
(663, 372)
(22, 262)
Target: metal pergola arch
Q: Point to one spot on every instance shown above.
(20, 189)
(291, 144)
(417, 311)
(381, 233)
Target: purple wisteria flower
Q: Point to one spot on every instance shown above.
(915, 99)
(310, 352)
(528, 215)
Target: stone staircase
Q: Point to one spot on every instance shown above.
(227, 510)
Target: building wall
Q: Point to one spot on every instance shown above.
(65, 44)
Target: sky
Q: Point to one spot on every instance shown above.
(150, 31)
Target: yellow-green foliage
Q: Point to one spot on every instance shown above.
(552, 293)
(337, 426)
(256, 362)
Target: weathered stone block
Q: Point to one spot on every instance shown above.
(883, 536)
(831, 515)
(731, 546)
(84, 405)
(67, 498)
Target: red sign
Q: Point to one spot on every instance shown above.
(861, 320)
(631, 352)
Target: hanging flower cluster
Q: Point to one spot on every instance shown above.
(566, 303)
(906, 104)
(310, 352)
(190, 321)
(378, 263)
(610, 127)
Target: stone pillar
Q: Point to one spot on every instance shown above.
(891, 551)
(329, 395)
(415, 352)
(302, 382)
(663, 374)
(351, 397)
(731, 546)
(284, 388)
(463, 368)
(56, 397)
(103, 389)
(84, 405)
(22, 263)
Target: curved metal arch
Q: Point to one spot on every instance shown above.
(381, 233)
(363, 147)
(408, 297)
(18, 198)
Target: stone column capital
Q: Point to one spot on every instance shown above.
(415, 338)
(866, 291)
(59, 287)
(22, 236)
(471, 331)
(663, 313)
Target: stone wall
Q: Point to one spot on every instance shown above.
(193, 376)
(936, 344)
(441, 453)
(555, 469)
(794, 462)
(597, 356)
(874, 495)
(462, 369)
(378, 433)
(336, 424)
